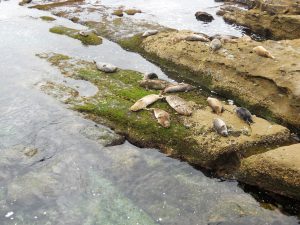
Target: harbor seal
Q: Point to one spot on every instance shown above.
(105, 67)
(182, 87)
(179, 105)
(144, 102)
(244, 114)
(163, 117)
(215, 45)
(220, 126)
(261, 51)
(216, 105)
(149, 33)
(151, 76)
(196, 37)
(154, 84)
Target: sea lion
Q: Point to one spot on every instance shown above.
(215, 45)
(163, 117)
(151, 76)
(154, 84)
(144, 102)
(261, 51)
(105, 67)
(149, 33)
(196, 37)
(180, 105)
(244, 114)
(182, 87)
(220, 126)
(215, 104)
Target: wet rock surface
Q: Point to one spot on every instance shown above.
(204, 16)
(280, 166)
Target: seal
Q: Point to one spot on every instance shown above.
(261, 51)
(154, 84)
(144, 102)
(216, 105)
(151, 76)
(105, 67)
(163, 117)
(220, 127)
(215, 45)
(182, 87)
(149, 33)
(196, 37)
(244, 114)
(179, 105)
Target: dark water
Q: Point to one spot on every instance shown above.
(71, 179)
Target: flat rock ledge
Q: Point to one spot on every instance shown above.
(259, 83)
(277, 170)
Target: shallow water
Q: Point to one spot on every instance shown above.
(71, 178)
(179, 14)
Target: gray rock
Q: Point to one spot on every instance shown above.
(106, 67)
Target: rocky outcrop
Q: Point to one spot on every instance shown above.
(276, 19)
(280, 166)
(269, 87)
(279, 26)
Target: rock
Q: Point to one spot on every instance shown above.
(118, 12)
(204, 16)
(106, 67)
(30, 152)
(278, 26)
(132, 12)
(280, 166)
(273, 82)
(24, 2)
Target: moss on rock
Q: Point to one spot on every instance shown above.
(47, 18)
(90, 39)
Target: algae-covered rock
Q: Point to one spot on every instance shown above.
(47, 18)
(191, 138)
(280, 166)
(260, 84)
(90, 39)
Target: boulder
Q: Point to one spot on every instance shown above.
(204, 16)
(280, 166)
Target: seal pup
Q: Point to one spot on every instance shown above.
(179, 105)
(151, 76)
(105, 67)
(196, 37)
(154, 84)
(215, 104)
(149, 33)
(215, 45)
(220, 126)
(261, 51)
(181, 87)
(244, 114)
(163, 117)
(144, 102)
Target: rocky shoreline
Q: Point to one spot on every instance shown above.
(268, 87)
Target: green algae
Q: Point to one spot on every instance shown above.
(91, 39)
(117, 92)
(47, 18)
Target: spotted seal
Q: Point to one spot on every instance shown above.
(144, 102)
(215, 104)
(261, 51)
(244, 114)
